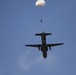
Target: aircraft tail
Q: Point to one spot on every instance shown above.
(40, 34)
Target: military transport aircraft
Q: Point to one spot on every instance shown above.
(44, 47)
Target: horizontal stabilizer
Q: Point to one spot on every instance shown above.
(40, 34)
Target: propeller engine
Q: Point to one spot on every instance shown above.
(39, 48)
(49, 48)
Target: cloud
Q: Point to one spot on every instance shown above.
(26, 62)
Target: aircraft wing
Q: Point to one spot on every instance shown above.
(34, 45)
(56, 44)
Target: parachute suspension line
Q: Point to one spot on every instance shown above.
(41, 18)
(40, 14)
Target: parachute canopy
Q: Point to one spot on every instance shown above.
(40, 3)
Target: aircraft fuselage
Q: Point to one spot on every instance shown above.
(44, 47)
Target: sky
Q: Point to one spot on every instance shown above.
(20, 21)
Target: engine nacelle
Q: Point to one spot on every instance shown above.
(49, 48)
(39, 48)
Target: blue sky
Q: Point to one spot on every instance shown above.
(20, 20)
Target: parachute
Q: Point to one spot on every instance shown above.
(40, 3)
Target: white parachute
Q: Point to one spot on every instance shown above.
(40, 3)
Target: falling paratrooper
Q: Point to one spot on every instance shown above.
(40, 3)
